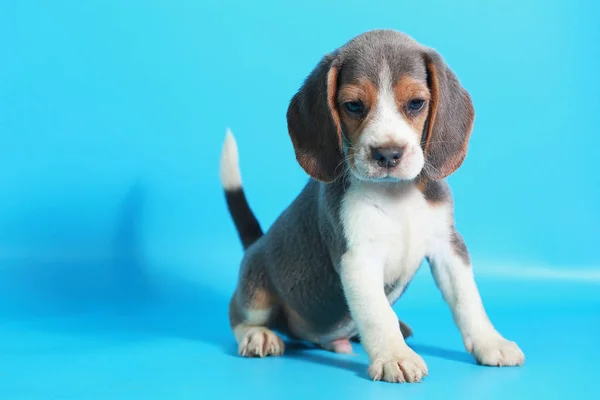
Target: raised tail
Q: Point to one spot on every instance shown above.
(245, 221)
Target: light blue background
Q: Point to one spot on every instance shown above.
(117, 254)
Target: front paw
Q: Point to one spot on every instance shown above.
(402, 366)
(498, 352)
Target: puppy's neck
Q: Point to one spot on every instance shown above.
(389, 187)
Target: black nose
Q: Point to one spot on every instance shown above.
(387, 157)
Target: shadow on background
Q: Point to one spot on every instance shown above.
(450, 355)
(116, 295)
(307, 353)
(76, 282)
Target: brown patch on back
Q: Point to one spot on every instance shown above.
(407, 89)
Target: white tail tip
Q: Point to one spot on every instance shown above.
(231, 178)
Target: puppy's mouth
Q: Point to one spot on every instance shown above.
(365, 176)
(363, 166)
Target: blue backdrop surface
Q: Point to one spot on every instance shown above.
(117, 255)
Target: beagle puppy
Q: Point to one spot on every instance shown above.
(378, 125)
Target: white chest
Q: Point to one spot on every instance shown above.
(393, 226)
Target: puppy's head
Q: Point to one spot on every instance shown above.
(383, 108)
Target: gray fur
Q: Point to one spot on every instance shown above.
(460, 248)
(449, 128)
(297, 259)
(436, 191)
(311, 120)
(364, 56)
(312, 127)
(299, 254)
(315, 133)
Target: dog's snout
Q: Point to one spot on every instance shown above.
(387, 157)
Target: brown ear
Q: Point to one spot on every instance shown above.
(314, 123)
(450, 121)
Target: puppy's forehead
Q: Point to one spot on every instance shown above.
(369, 55)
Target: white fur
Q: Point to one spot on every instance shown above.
(390, 228)
(387, 126)
(231, 178)
(257, 341)
(387, 227)
(455, 280)
(258, 317)
(253, 338)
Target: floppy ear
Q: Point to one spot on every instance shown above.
(314, 123)
(450, 120)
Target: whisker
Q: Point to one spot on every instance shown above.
(444, 141)
(434, 168)
(342, 163)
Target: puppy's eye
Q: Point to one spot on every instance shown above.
(354, 107)
(416, 105)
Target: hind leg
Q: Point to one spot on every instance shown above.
(252, 312)
(258, 341)
(340, 346)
